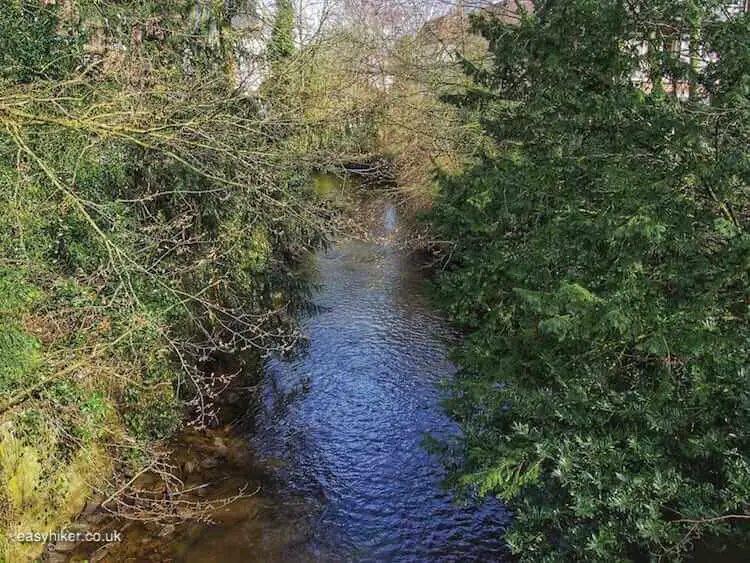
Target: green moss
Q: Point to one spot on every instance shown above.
(40, 491)
(19, 352)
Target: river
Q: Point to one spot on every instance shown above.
(339, 427)
(349, 414)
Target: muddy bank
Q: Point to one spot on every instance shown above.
(223, 486)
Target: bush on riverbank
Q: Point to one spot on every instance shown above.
(148, 223)
(600, 268)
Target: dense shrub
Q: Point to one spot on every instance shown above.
(147, 223)
(600, 267)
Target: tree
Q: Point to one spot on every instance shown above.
(600, 268)
(281, 45)
(150, 226)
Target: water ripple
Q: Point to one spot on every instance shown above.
(348, 416)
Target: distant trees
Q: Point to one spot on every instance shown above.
(600, 266)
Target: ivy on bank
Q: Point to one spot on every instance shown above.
(148, 225)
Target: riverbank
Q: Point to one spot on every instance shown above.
(222, 485)
(327, 444)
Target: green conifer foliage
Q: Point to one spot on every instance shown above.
(281, 45)
(600, 269)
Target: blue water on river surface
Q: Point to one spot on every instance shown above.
(344, 420)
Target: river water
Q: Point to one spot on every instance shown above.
(337, 434)
(347, 417)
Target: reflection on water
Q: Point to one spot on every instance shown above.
(344, 420)
(390, 218)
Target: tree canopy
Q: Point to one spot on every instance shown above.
(599, 265)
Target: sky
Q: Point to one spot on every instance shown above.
(395, 17)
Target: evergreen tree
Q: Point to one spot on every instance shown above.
(281, 45)
(600, 269)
